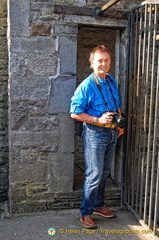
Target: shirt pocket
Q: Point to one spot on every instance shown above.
(99, 105)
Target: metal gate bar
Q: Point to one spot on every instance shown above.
(157, 167)
(144, 92)
(146, 107)
(155, 120)
(141, 189)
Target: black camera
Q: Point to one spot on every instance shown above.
(120, 120)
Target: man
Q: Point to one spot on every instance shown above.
(94, 103)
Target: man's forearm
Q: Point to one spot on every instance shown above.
(83, 117)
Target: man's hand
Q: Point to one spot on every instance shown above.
(121, 131)
(106, 118)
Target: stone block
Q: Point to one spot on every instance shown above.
(61, 172)
(43, 29)
(36, 123)
(3, 44)
(66, 134)
(2, 31)
(68, 55)
(79, 3)
(3, 181)
(42, 64)
(50, 139)
(39, 45)
(19, 18)
(33, 64)
(26, 139)
(32, 155)
(21, 109)
(3, 54)
(29, 87)
(17, 192)
(4, 72)
(15, 155)
(61, 92)
(65, 29)
(41, 5)
(3, 22)
(33, 190)
(42, 1)
(28, 173)
(3, 9)
(29, 206)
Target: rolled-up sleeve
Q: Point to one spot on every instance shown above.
(79, 102)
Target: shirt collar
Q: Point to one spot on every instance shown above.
(101, 80)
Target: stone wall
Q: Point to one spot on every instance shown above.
(3, 105)
(42, 79)
(41, 84)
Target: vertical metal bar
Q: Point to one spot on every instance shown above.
(134, 109)
(138, 113)
(128, 173)
(155, 122)
(137, 109)
(156, 198)
(142, 145)
(126, 188)
(130, 110)
(148, 143)
(157, 180)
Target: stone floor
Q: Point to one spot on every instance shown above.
(66, 225)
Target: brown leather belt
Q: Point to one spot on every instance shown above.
(112, 126)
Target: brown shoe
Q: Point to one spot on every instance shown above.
(104, 212)
(88, 222)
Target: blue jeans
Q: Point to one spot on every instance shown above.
(99, 148)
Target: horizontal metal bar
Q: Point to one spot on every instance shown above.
(81, 11)
(150, 2)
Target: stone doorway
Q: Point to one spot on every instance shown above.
(88, 38)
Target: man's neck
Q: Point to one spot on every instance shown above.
(103, 76)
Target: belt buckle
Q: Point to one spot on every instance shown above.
(107, 125)
(112, 126)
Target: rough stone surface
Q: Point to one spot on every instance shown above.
(40, 45)
(60, 94)
(66, 130)
(65, 29)
(68, 54)
(4, 166)
(41, 29)
(19, 13)
(61, 175)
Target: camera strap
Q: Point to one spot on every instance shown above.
(99, 88)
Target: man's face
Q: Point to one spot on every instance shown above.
(101, 63)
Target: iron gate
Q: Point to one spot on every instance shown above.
(141, 185)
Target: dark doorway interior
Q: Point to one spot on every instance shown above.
(88, 38)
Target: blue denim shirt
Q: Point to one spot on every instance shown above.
(87, 97)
